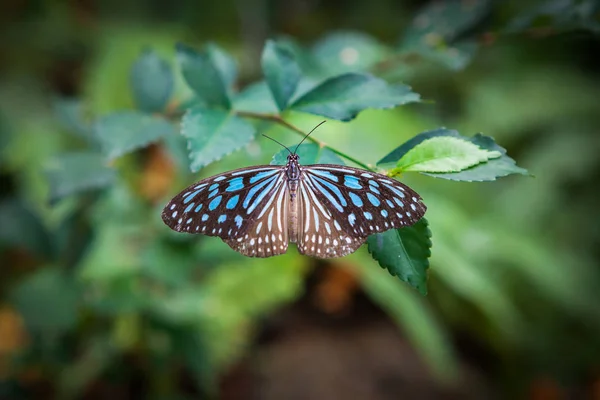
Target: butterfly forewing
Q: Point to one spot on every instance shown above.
(342, 206)
(244, 207)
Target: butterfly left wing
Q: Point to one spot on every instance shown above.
(246, 208)
(341, 206)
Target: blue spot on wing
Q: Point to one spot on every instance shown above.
(198, 208)
(238, 221)
(232, 202)
(351, 219)
(355, 199)
(351, 182)
(324, 174)
(213, 193)
(384, 213)
(235, 184)
(215, 203)
(190, 196)
(262, 175)
(204, 217)
(374, 200)
(189, 208)
(368, 215)
(222, 218)
(213, 186)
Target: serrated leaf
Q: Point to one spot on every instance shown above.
(72, 173)
(48, 300)
(404, 253)
(281, 71)
(256, 97)
(122, 132)
(152, 82)
(348, 51)
(213, 134)
(440, 22)
(488, 171)
(344, 96)
(310, 153)
(207, 74)
(444, 154)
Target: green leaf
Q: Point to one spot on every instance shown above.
(71, 114)
(404, 253)
(443, 21)
(310, 153)
(348, 51)
(213, 134)
(281, 71)
(400, 151)
(22, 228)
(256, 97)
(48, 300)
(208, 73)
(72, 173)
(488, 171)
(225, 64)
(122, 132)
(444, 154)
(344, 96)
(151, 82)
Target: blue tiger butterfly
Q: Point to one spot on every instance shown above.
(327, 210)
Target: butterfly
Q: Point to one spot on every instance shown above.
(328, 210)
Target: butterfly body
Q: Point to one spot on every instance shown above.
(327, 210)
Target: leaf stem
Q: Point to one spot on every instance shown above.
(277, 119)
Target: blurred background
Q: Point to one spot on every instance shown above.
(98, 299)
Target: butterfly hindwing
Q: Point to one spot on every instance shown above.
(342, 206)
(244, 207)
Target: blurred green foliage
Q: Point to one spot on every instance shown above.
(96, 277)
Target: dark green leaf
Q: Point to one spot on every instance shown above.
(488, 171)
(208, 73)
(122, 132)
(77, 172)
(151, 81)
(404, 253)
(22, 228)
(343, 52)
(310, 153)
(213, 134)
(441, 22)
(48, 300)
(225, 64)
(344, 96)
(281, 71)
(70, 114)
(256, 98)
(559, 14)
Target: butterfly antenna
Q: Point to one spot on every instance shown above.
(281, 144)
(313, 129)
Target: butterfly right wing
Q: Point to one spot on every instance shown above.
(245, 207)
(341, 206)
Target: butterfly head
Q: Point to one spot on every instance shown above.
(293, 158)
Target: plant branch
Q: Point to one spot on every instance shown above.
(277, 119)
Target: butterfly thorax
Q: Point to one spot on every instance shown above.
(292, 170)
